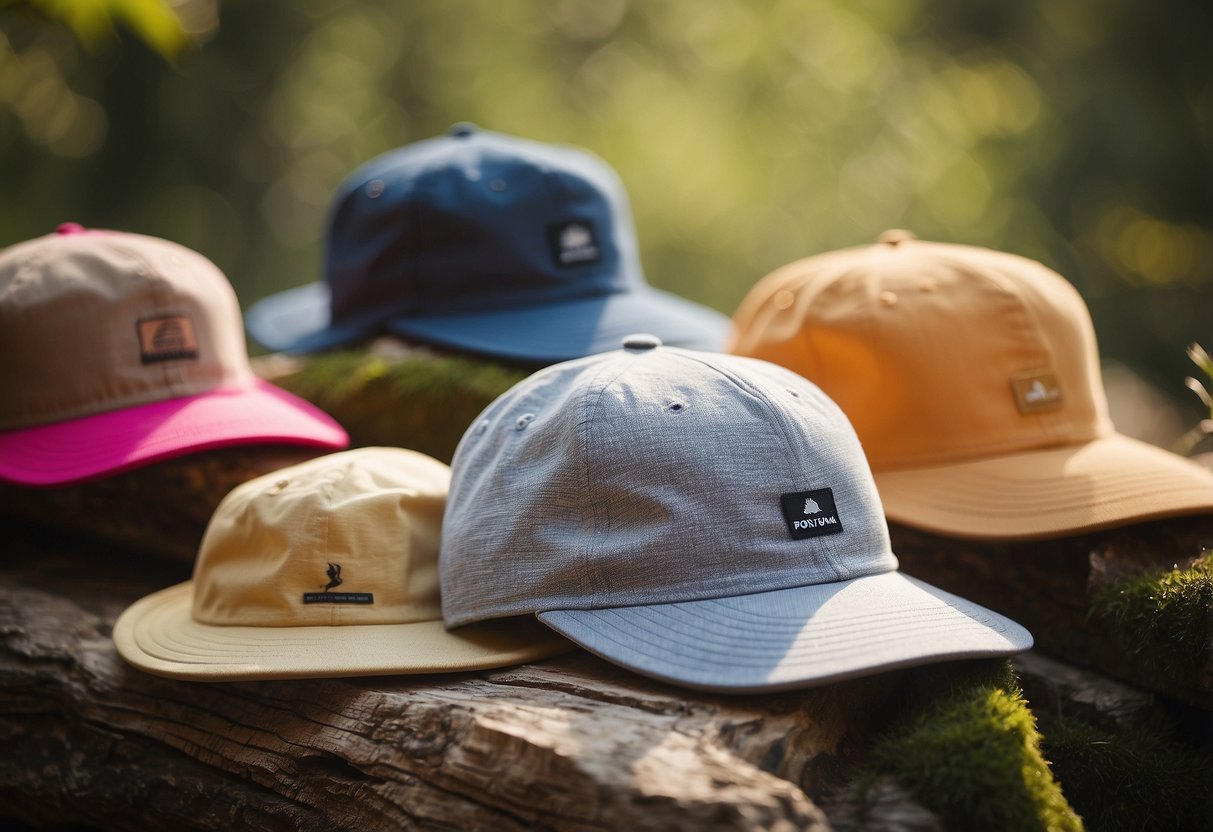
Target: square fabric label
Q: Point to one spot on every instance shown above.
(810, 513)
(168, 338)
(574, 243)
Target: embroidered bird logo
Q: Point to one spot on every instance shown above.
(334, 573)
(811, 507)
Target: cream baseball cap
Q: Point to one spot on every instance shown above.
(122, 349)
(972, 379)
(327, 568)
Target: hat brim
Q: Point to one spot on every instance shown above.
(297, 321)
(1111, 481)
(571, 329)
(102, 444)
(158, 635)
(793, 638)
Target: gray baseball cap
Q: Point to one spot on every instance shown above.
(707, 520)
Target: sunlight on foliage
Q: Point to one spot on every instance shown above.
(1204, 428)
(154, 21)
(748, 135)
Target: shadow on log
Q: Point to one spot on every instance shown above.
(159, 510)
(1050, 587)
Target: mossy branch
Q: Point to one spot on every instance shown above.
(394, 395)
(1131, 777)
(1164, 616)
(969, 750)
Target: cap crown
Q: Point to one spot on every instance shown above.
(653, 475)
(473, 221)
(348, 538)
(938, 353)
(93, 321)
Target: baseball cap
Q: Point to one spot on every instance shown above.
(972, 378)
(703, 519)
(326, 568)
(121, 349)
(484, 243)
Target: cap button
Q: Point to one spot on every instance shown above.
(70, 228)
(896, 235)
(463, 129)
(640, 342)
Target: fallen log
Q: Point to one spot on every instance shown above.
(572, 743)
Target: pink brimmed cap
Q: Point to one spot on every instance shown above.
(121, 350)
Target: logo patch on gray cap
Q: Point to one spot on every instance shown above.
(810, 513)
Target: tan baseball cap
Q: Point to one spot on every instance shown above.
(326, 568)
(122, 349)
(972, 379)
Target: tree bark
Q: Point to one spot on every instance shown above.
(1048, 586)
(571, 743)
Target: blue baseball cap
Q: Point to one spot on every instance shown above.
(484, 243)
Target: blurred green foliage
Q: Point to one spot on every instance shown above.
(1203, 429)
(92, 21)
(749, 134)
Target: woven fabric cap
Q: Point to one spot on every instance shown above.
(705, 519)
(327, 568)
(485, 243)
(972, 379)
(121, 349)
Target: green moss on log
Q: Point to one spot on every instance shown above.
(416, 400)
(1131, 777)
(1164, 616)
(967, 747)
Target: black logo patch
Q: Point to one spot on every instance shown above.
(574, 243)
(338, 598)
(168, 338)
(810, 513)
(326, 597)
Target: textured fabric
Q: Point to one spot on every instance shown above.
(955, 362)
(488, 243)
(652, 477)
(327, 568)
(643, 477)
(120, 349)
